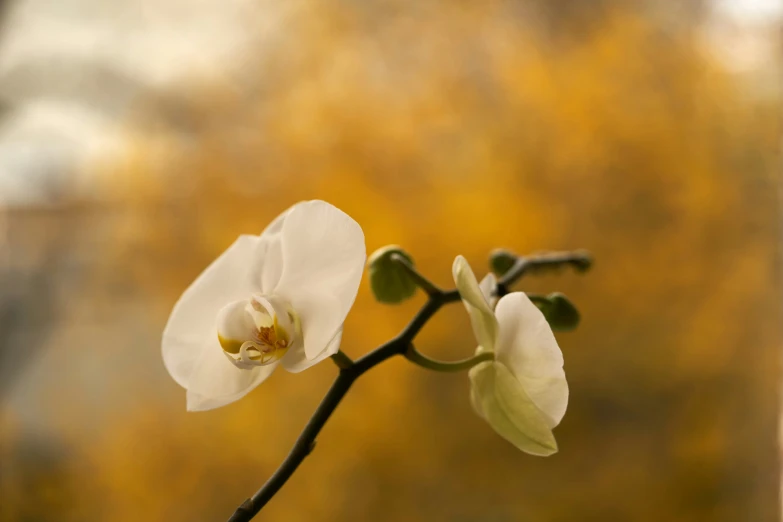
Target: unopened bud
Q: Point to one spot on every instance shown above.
(559, 311)
(390, 282)
(584, 262)
(501, 261)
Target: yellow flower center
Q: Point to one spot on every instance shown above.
(266, 341)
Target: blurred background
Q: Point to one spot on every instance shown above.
(138, 138)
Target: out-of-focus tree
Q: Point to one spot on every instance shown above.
(456, 128)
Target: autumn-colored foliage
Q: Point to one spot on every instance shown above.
(448, 128)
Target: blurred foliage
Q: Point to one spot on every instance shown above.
(446, 127)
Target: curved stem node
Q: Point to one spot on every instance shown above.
(418, 358)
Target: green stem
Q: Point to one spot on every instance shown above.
(421, 281)
(580, 260)
(416, 357)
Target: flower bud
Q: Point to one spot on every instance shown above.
(501, 261)
(584, 262)
(389, 280)
(559, 311)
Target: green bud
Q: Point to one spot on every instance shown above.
(584, 263)
(390, 282)
(501, 261)
(559, 311)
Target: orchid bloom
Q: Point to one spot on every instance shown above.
(522, 393)
(275, 299)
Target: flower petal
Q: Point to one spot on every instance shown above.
(276, 226)
(197, 402)
(296, 361)
(488, 287)
(231, 277)
(318, 315)
(482, 318)
(234, 325)
(527, 346)
(273, 262)
(500, 399)
(323, 260)
(216, 380)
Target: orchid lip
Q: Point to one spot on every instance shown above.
(270, 330)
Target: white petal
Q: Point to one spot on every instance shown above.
(527, 346)
(233, 321)
(318, 315)
(488, 287)
(273, 262)
(276, 226)
(323, 260)
(499, 398)
(296, 361)
(232, 276)
(196, 402)
(475, 398)
(216, 379)
(482, 318)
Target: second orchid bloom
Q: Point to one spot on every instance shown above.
(523, 392)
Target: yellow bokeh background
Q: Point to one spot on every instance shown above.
(448, 128)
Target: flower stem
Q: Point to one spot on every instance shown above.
(302, 448)
(342, 361)
(416, 357)
(581, 261)
(421, 281)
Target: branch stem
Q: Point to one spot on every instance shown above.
(342, 361)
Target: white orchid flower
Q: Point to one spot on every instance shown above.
(523, 392)
(275, 299)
